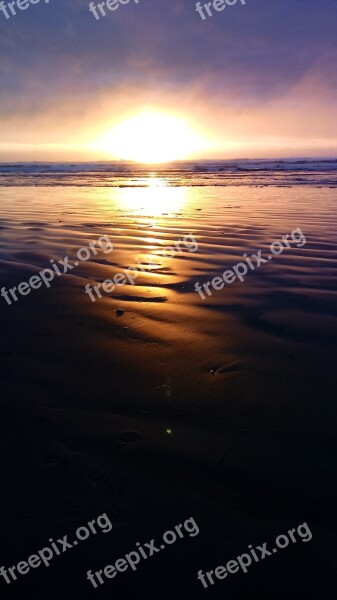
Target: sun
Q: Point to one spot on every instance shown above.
(152, 137)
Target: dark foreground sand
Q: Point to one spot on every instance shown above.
(223, 410)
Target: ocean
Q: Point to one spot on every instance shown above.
(202, 173)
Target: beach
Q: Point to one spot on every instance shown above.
(153, 405)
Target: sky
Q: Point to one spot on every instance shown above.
(257, 80)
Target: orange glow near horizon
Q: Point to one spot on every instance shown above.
(152, 137)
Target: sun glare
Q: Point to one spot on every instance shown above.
(156, 199)
(152, 137)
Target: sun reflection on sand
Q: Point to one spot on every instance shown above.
(155, 199)
(146, 218)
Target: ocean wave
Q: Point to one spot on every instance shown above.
(188, 173)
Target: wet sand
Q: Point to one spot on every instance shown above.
(222, 410)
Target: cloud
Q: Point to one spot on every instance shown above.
(266, 68)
